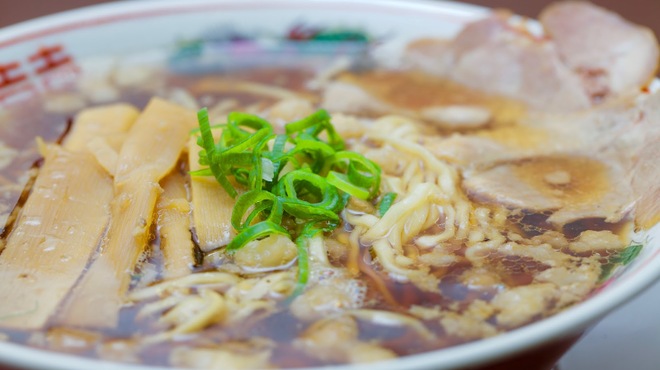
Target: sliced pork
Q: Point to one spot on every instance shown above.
(442, 103)
(646, 166)
(591, 55)
(492, 56)
(611, 55)
(569, 187)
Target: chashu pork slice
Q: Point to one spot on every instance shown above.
(645, 166)
(484, 148)
(443, 103)
(492, 56)
(571, 187)
(588, 56)
(646, 184)
(617, 131)
(611, 55)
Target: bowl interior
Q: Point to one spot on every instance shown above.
(53, 53)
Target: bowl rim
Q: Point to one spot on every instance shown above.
(73, 19)
(573, 320)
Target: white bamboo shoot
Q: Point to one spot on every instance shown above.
(110, 122)
(149, 153)
(62, 221)
(173, 211)
(212, 206)
(57, 231)
(104, 154)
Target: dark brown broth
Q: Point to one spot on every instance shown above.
(281, 326)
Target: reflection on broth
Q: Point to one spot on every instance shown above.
(489, 215)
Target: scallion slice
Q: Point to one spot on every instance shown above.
(308, 198)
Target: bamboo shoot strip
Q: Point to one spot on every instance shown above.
(57, 231)
(107, 122)
(212, 206)
(151, 150)
(173, 221)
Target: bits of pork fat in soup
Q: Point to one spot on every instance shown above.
(425, 207)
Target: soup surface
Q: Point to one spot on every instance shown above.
(490, 213)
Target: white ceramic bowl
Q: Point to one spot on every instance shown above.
(124, 28)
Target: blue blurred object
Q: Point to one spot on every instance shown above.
(224, 50)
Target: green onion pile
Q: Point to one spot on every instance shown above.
(296, 183)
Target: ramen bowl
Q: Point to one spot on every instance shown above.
(43, 60)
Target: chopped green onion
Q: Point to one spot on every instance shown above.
(308, 196)
(385, 203)
(314, 125)
(303, 266)
(255, 198)
(209, 149)
(255, 232)
(629, 254)
(277, 155)
(623, 258)
(359, 170)
(236, 120)
(317, 150)
(341, 182)
(205, 131)
(268, 169)
(308, 232)
(320, 177)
